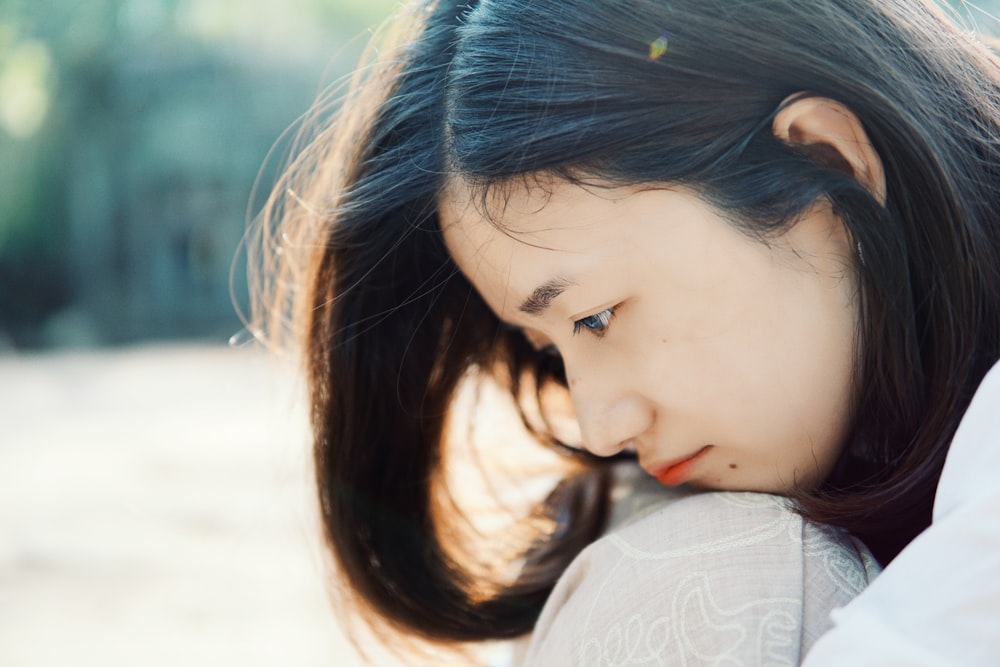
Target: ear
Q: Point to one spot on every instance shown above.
(819, 125)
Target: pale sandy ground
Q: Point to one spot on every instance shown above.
(154, 510)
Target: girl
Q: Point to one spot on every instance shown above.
(756, 243)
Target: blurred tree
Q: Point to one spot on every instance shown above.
(131, 132)
(31, 281)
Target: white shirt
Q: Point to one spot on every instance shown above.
(938, 602)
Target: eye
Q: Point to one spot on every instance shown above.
(597, 323)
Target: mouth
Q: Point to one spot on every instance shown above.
(678, 471)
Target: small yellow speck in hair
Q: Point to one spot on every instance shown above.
(658, 47)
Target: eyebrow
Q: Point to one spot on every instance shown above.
(544, 295)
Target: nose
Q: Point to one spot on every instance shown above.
(611, 415)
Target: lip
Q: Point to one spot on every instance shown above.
(678, 471)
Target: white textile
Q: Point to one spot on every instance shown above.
(938, 602)
(721, 579)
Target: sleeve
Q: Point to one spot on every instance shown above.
(938, 602)
(703, 579)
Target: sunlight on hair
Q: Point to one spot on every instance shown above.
(495, 476)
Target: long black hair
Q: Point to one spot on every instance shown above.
(630, 92)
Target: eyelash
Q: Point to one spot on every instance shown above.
(597, 324)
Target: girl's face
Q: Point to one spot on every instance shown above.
(722, 361)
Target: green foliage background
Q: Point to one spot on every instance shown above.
(120, 115)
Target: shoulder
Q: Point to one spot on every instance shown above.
(701, 578)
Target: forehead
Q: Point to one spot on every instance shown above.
(481, 251)
(480, 235)
(522, 235)
(529, 211)
(511, 206)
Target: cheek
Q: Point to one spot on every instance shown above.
(798, 411)
(760, 380)
(799, 385)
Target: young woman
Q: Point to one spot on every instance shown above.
(757, 244)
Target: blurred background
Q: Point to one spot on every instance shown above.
(131, 132)
(155, 505)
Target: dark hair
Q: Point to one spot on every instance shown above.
(500, 89)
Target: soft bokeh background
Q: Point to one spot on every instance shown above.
(154, 498)
(131, 132)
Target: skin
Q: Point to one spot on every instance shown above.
(723, 361)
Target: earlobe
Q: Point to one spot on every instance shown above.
(822, 124)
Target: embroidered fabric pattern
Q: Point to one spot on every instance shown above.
(701, 579)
